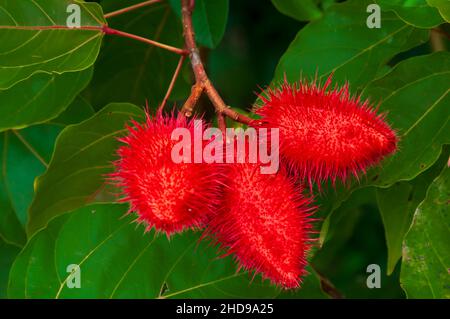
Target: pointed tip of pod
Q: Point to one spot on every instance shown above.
(265, 223)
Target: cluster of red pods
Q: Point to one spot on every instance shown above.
(263, 220)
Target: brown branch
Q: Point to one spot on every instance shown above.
(442, 32)
(188, 107)
(130, 8)
(201, 78)
(437, 42)
(172, 82)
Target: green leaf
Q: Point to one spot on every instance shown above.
(83, 155)
(34, 37)
(311, 288)
(339, 42)
(397, 205)
(11, 230)
(421, 120)
(77, 112)
(209, 20)
(343, 214)
(7, 255)
(24, 155)
(418, 13)
(443, 6)
(133, 72)
(131, 261)
(302, 10)
(40, 98)
(40, 272)
(426, 257)
(354, 240)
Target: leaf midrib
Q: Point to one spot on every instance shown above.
(30, 148)
(88, 255)
(430, 109)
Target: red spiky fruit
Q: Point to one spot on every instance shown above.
(326, 133)
(264, 221)
(166, 195)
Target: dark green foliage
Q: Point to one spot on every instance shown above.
(65, 99)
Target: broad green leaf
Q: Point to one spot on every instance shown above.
(7, 255)
(426, 257)
(11, 230)
(209, 20)
(397, 205)
(310, 289)
(418, 13)
(340, 42)
(35, 277)
(83, 156)
(77, 112)
(40, 98)
(341, 209)
(135, 72)
(416, 97)
(325, 4)
(343, 214)
(34, 37)
(302, 10)
(443, 6)
(134, 264)
(24, 155)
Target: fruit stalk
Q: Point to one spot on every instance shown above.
(202, 82)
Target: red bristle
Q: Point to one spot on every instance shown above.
(166, 195)
(325, 134)
(263, 222)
